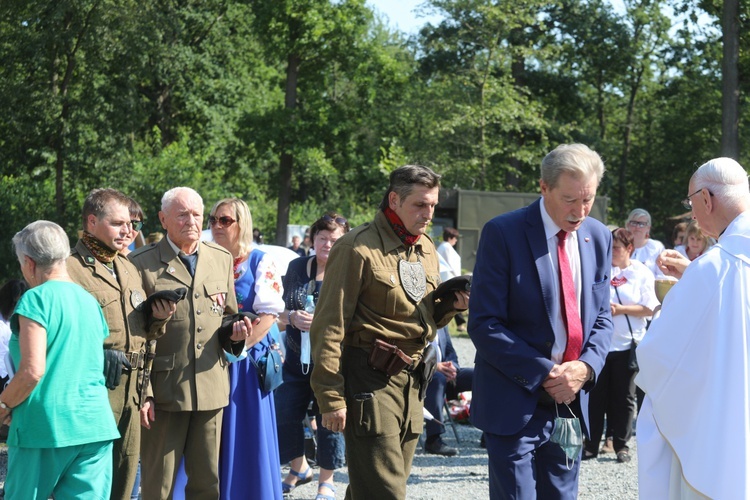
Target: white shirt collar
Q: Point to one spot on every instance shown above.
(550, 228)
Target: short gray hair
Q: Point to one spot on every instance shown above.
(724, 178)
(577, 160)
(172, 194)
(639, 212)
(42, 241)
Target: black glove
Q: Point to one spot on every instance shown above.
(225, 331)
(114, 362)
(456, 284)
(175, 295)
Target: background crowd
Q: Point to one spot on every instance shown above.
(188, 323)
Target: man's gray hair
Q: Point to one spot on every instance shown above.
(172, 194)
(42, 241)
(639, 212)
(577, 160)
(724, 178)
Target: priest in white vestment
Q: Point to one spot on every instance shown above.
(694, 426)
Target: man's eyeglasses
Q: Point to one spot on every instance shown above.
(137, 225)
(224, 221)
(338, 220)
(637, 223)
(688, 203)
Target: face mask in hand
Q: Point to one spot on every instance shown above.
(567, 433)
(305, 352)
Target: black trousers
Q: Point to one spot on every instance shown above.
(613, 395)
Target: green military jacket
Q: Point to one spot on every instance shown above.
(362, 299)
(119, 298)
(190, 369)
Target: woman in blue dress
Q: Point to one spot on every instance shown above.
(248, 462)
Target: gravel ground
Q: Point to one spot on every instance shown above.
(465, 475)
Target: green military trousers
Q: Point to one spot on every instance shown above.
(383, 423)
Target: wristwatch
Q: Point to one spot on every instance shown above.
(4, 406)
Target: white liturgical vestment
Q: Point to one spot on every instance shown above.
(694, 427)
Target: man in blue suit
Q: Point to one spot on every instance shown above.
(542, 330)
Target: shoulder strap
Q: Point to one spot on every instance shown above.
(626, 316)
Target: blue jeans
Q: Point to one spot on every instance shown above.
(292, 399)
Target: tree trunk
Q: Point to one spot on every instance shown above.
(730, 90)
(626, 142)
(286, 163)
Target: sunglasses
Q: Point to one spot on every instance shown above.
(137, 225)
(224, 221)
(338, 220)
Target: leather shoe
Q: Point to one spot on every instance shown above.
(438, 447)
(623, 456)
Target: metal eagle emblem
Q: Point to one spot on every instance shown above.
(413, 279)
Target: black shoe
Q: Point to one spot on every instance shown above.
(587, 455)
(623, 456)
(438, 447)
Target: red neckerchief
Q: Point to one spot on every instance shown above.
(394, 220)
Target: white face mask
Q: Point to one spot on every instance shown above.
(304, 355)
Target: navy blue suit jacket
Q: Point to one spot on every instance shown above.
(509, 317)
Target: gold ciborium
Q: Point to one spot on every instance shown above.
(662, 286)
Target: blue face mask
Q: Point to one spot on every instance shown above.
(567, 433)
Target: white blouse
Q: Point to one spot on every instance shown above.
(637, 288)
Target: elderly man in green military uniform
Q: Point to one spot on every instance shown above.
(96, 264)
(375, 315)
(190, 380)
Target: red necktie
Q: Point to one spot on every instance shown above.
(569, 302)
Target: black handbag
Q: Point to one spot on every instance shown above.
(632, 358)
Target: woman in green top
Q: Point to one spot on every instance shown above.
(61, 423)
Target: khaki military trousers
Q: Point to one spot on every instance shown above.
(125, 451)
(194, 435)
(383, 423)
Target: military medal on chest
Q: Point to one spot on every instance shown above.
(413, 279)
(217, 304)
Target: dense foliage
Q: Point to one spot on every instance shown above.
(301, 106)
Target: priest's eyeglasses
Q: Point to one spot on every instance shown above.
(687, 203)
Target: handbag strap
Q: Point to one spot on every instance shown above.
(626, 316)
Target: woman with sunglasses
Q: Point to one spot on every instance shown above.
(136, 224)
(646, 249)
(248, 463)
(303, 278)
